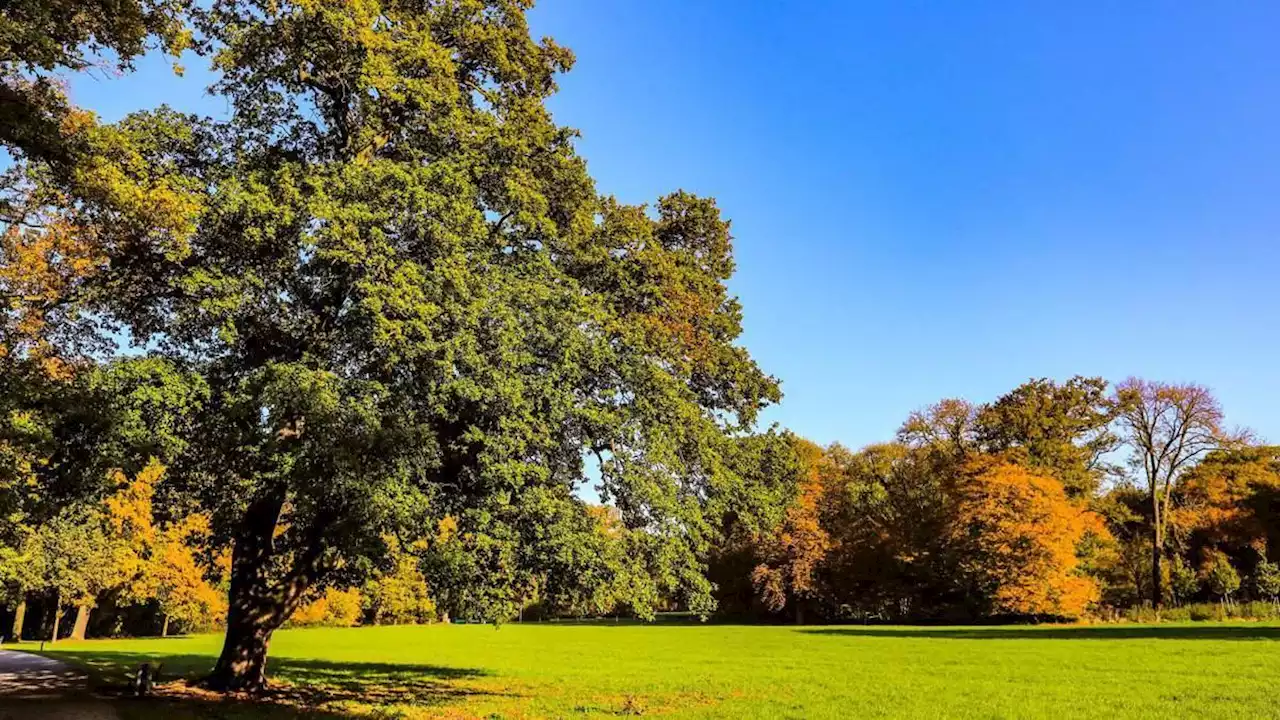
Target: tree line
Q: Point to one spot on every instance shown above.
(1055, 501)
(351, 352)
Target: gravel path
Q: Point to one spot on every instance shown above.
(40, 688)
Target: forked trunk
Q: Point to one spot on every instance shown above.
(82, 623)
(19, 619)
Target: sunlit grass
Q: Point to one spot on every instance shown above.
(597, 670)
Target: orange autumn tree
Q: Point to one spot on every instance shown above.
(793, 555)
(41, 269)
(161, 561)
(1016, 536)
(1227, 502)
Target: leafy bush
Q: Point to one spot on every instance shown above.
(1221, 578)
(1142, 614)
(1202, 612)
(1266, 580)
(1257, 610)
(1207, 611)
(1182, 582)
(335, 608)
(400, 596)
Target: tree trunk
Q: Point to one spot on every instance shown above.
(82, 623)
(243, 663)
(164, 627)
(1157, 581)
(57, 615)
(259, 603)
(19, 619)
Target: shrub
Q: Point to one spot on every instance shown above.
(1258, 610)
(1266, 580)
(335, 608)
(1207, 611)
(1221, 579)
(400, 597)
(1142, 614)
(1183, 582)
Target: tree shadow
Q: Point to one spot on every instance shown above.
(298, 688)
(1064, 632)
(40, 683)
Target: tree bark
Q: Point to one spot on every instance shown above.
(164, 627)
(19, 619)
(82, 623)
(259, 604)
(242, 666)
(1157, 557)
(57, 615)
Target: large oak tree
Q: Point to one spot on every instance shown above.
(411, 308)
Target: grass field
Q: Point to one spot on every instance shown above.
(519, 671)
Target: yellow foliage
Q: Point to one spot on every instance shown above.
(40, 269)
(160, 562)
(335, 608)
(447, 528)
(128, 511)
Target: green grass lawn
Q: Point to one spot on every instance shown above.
(565, 670)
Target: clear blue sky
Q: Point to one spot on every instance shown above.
(944, 199)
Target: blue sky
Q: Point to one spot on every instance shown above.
(943, 199)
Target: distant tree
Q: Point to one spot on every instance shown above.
(400, 595)
(160, 560)
(1063, 430)
(22, 570)
(179, 579)
(770, 470)
(1017, 536)
(793, 556)
(79, 562)
(1227, 503)
(949, 426)
(1183, 581)
(1221, 578)
(887, 520)
(1169, 427)
(1266, 580)
(331, 607)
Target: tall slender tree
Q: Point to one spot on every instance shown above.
(1169, 427)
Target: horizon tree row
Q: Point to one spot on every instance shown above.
(1057, 500)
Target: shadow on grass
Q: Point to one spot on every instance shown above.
(299, 688)
(1082, 632)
